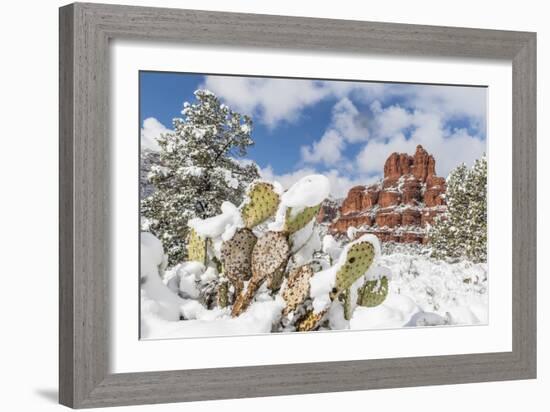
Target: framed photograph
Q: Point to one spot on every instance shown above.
(257, 205)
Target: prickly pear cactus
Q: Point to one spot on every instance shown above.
(300, 219)
(297, 288)
(270, 254)
(275, 280)
(196, 248)
(269, 257)
(373, 292)
(223, 294)
(345, 297)
(310, 321)
(236, 255)
(262, 204)
(358, 260)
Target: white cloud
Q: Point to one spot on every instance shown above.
(347, 120)
(151, 130)
(274, 100)
(451, 100)
(449, 147)
(327, 150)
(271, 100)
(346, 126)
(419, 112)
(389, 121)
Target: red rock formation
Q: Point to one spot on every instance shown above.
(344, 222)
(388, 219)
(411, 237)
(411, 217)
(328, 212)
(400, 207)
(397, 165)
(412, 193)
(387, 199)
(423, 164)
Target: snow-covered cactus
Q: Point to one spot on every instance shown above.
(310, 321)
(223, 294)
(353, 265)
(236, 254)
(298, 206)
(261, 204)
(259, 262)
(268, 260)
(373, 292)
(345, 298)
(196, 247)
(359, 258)
(297, 289)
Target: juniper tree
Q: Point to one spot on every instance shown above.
(197, 170)
(462, 231)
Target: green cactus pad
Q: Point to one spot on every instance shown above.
(346, 297)
(223, 294)
(236, 255)
(358, 260)
(297, 288)
(262, 204)
(196, 248)
(373, 292)
(295, 223)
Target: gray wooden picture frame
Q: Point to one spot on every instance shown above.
(85, 32)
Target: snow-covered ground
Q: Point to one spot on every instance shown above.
(422, 292)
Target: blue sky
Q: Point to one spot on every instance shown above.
(344, 130)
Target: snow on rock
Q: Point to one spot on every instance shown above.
(153, 259)
(209, 275)
(331, 247)
(165, 303)
(458, 290)
(351, 232)
(223, 225)
(258, 318)
(377, 272)
(301, 237)
(378, 317)
(462, 315)
(395, 312)
(427, 319)
(305, 242)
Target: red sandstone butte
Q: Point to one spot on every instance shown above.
(401, 206)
